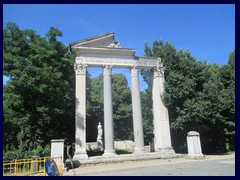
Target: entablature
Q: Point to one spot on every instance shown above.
(141, 62)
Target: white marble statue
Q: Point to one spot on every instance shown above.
(99, 137)
(100, 131)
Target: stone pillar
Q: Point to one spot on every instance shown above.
(108, 113)
(80, 112)
(137, 112)
(194, 144)
(57, 152)
(162, 137)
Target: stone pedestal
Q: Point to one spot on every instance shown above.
(160, 115)
(194, 144)
(137, 112)
(108, 113)
(57, 152)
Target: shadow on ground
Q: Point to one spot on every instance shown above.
(72, 164)
(220, 153)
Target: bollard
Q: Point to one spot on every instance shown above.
(57, 151)
(151, 145)
(34, 164)
(194, 144)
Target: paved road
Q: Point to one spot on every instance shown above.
(209, 166)
(200, 168)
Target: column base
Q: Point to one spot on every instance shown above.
(80, 155)
(167, 150)
(139, 150)
(195, 155)
(109, 153)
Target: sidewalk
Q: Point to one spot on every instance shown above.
(140, 163)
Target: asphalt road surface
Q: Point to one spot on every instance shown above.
(219, 167)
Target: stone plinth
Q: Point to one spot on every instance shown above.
(194, 144)
(57, 151)
(127, 144)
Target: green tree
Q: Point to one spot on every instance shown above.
(94, 107)
(122, 109)
(227, 75)
(39, 97)
(199, 96)
(147, 115)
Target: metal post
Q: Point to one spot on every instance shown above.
(15, 168)
(44, 169)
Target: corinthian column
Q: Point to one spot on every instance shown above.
(108, 113)
(80, 112)
(160, 115)
(137, 112)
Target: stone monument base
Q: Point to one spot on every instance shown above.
(139, 150)
(168, 150)
(109, 153)
(80, 155)
(196, 156)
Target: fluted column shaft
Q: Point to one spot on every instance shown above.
(137, 112)
(108, 113)
(80, 112)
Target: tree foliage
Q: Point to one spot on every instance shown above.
(39, 97)
(147, 115)
(199, 96)
(122, 109)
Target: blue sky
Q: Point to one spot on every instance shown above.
(208, 31)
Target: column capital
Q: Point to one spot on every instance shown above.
(134, 71)
(158, 71)
(80, 69)
(107, 70)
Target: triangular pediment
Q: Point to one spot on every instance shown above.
(103, 45)
(102, 40)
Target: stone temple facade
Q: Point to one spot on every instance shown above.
(103, 51)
